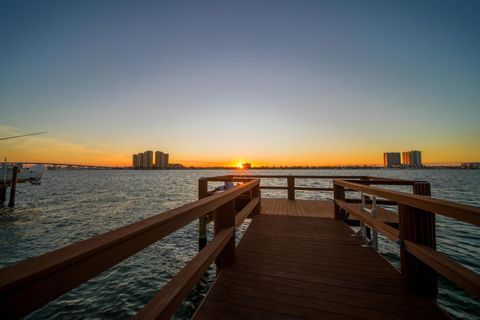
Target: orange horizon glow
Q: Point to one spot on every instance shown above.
(124, 161)
(48, 148)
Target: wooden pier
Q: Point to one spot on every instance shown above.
(298, 259)
(293, 267)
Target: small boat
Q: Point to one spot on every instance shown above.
(31, 174)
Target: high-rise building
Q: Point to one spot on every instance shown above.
(165, 161)
(416, 158)
(135, 161)
(391, 159)
(148, 159)
(140, 160)
(412, 158)
(145, 160)
(406, 159)
(159, 155)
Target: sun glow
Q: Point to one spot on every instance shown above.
(244, 165)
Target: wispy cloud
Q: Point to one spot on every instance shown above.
(47, 148)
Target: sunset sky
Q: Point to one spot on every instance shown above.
(220, 82)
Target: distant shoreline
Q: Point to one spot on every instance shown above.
(269, 168)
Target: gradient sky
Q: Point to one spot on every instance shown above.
(219, 82)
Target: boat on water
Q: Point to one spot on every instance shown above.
(31, 174)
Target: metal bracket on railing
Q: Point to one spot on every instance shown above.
(371, 241)
(374, 216)
(362, 230)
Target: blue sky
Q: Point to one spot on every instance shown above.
(272, 82)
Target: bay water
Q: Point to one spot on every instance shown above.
(73, 205)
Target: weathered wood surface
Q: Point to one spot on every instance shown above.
(166, 301)
(309, 268)
(317, 208)
(462, 212)
(30, 284)
(302, 208)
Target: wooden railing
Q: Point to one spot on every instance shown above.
(419, 259)
(291, 185)
(290, 182)
(26, 286)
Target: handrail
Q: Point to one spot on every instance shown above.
(30, 284)
(449, 268)
(246, 211)
(273, 188)
(376, 224)
(384, 182)
(414, 211)
(313, 189)
(281, 176)
(291, 187)
(166, 301)
(376, 180)
(450, 209)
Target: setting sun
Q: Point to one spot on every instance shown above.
(244, 165)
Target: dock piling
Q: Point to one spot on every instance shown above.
(256, 193)
(338, 194)
(13, 188)
(203, 221)
(3, 193)
(291, 187)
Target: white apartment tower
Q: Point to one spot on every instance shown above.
(159, 155)
(148, 159)
(391, 159)
(412, 158)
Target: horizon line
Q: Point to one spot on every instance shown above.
(230, 166)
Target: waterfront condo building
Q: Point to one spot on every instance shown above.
(140, 160)
(135, 161)
(391, 159)
(165, 160)
(159, 159)
(148, 159)
(412, 158)
(145, 160)
(406, 157)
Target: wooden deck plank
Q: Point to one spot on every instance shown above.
(319, 304)
(315, 208)
(306, 267)
(300, 208)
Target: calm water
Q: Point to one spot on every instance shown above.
(75, 205)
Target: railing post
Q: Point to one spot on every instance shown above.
(13, 188)
(3, 193)
(291, 187)
(202, 221)
(338, 194)
(256, 193)
(417, 226)
(224, 217)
